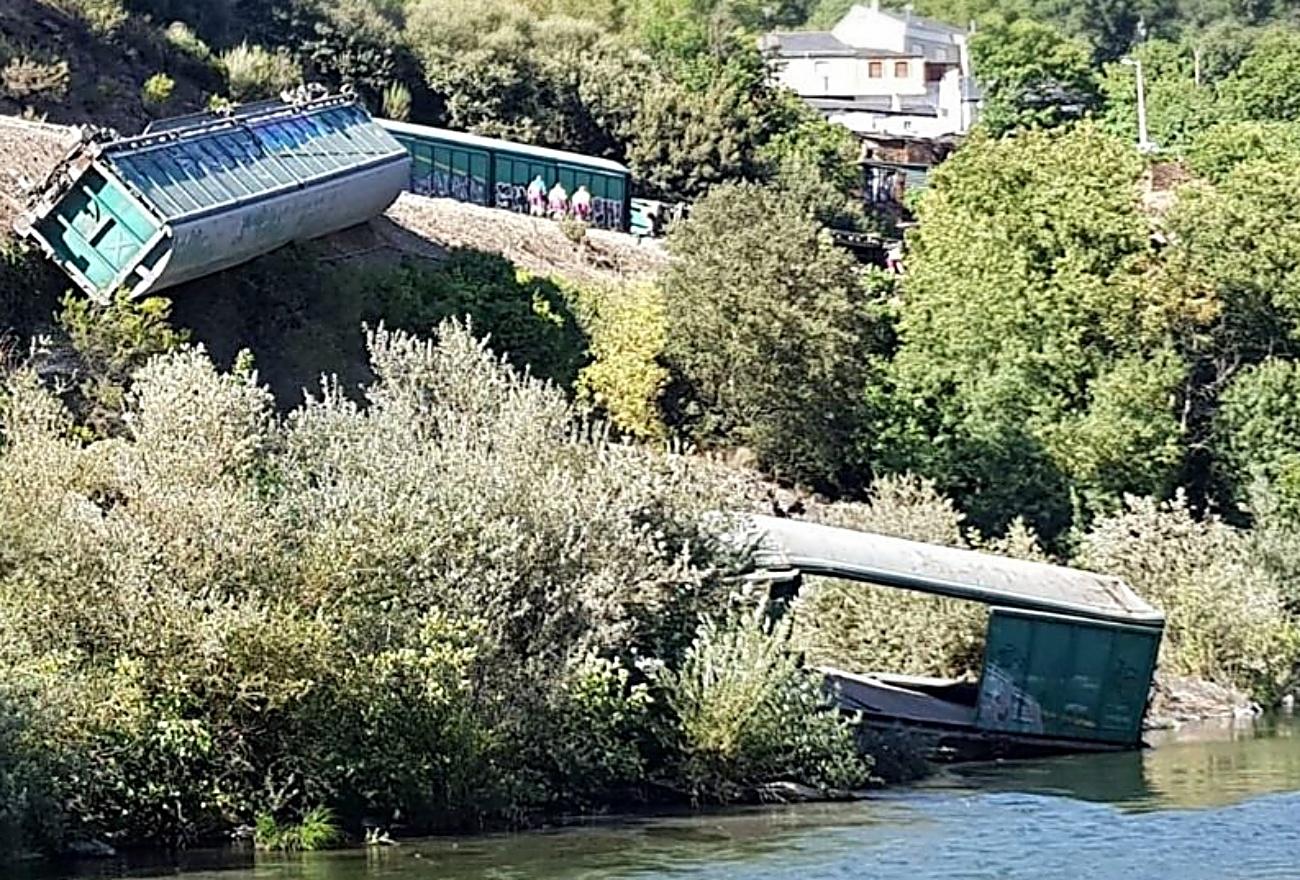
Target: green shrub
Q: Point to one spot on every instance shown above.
(104, 17)
(226, 614)
(29, 814)
(157, 90)
(749, 714)
(112, 342)
(766, 331)
(625, 379)
(397, 102)
(255, 73)
(1258, 427)
(181, 37)
(1227, 619)
(318, 830)
(864, 628)
(525, 317)
(589, 738)
(27, 79)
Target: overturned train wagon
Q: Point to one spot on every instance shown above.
(1069, 655)
(198, 194)
(496, 173)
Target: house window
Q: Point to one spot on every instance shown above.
(822, 73)
(876, 69)
(901, 70)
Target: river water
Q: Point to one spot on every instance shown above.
(1214, 803)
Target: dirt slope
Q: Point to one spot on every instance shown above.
(106, 70)
(28, 150)
(535, 244)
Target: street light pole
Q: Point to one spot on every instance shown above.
(1144, 142)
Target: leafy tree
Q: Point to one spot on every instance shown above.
(682, 29)
(1263, 86)
(1259, 432)
(816, 162)
(1236, 250)
(1177, 108)
(352, 43)
(1221, 47)
(1128, 439)
(1233, 270)
(1020, 384)
(765, 332)
(504, 72)
(1202, 13)
(1112, 27)
(1219, 149)
(689, 138)
(1033, 76)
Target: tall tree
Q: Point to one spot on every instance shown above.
(1033, 76)
(1177, 107)
(1032, 374)
(1263, 86)
(766, 333)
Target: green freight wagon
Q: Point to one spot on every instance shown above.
(496, 173)
(197, 194)
(1069, 655)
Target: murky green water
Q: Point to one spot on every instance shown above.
(1216, 803)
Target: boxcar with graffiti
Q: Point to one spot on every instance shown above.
(496, 173)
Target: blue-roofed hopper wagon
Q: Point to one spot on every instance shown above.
(195, 195)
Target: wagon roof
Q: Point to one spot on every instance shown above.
(203, 163)
(784, 546)
(489, 143)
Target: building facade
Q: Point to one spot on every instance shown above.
(881, 72)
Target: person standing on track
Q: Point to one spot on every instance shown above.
(582, 203)
(537, 197)
(558, 201)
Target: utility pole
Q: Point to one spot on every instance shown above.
(1144, 142)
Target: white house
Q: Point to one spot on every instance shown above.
(881, 72)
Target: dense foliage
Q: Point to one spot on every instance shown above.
(767, 333)
(678, 90)
(404, 608)
(1032, 372)
(220, 604)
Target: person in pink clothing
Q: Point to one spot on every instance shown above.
(582, 204)
(558, 201)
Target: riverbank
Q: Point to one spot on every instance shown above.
(1206, 803)
(1178, 701)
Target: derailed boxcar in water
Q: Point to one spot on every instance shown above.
(199, 194)
(1069, 655)
(496, 173)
